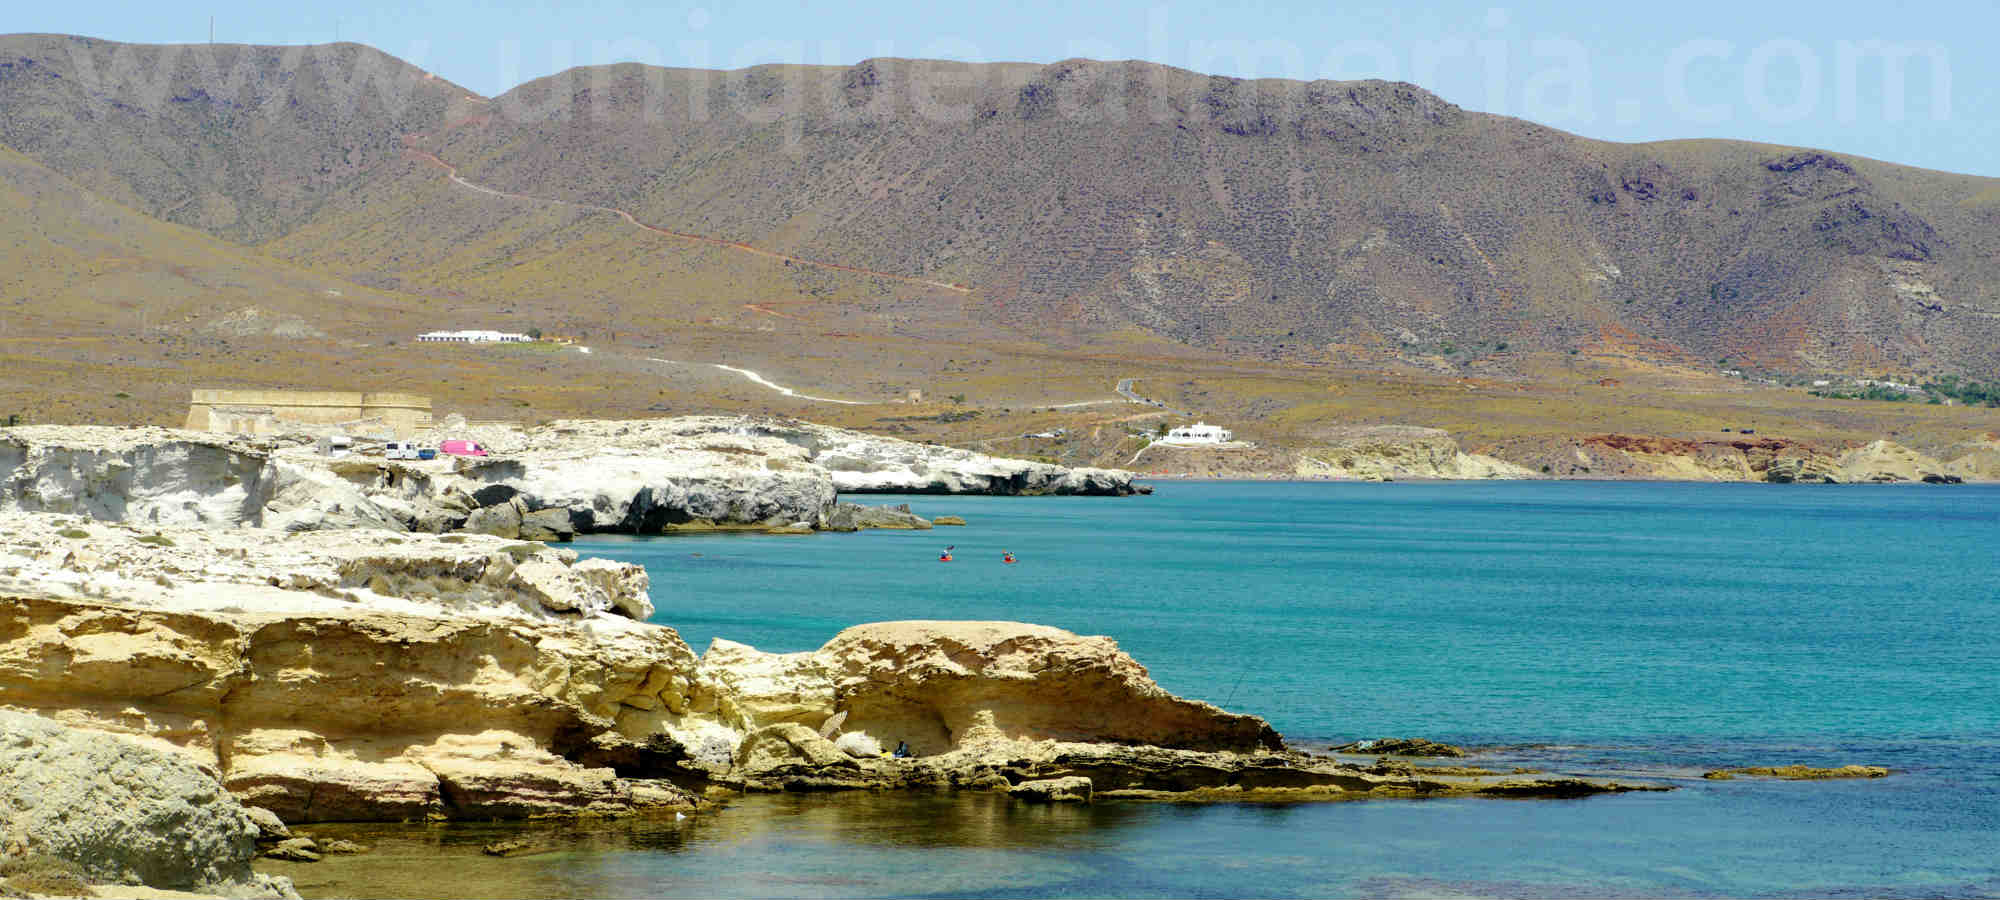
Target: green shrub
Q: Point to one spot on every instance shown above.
(75, 534)
(157, 540)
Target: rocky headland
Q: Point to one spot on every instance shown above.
(655, 476)
(1404, 452)
(375, 675)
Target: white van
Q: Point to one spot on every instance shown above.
(400, 450)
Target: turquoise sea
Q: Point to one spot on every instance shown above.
(1634, 630)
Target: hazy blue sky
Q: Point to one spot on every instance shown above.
(1811, 74)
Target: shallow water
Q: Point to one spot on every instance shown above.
(1643, 630)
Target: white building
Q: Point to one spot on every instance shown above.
(473, 337)
(1199, 433)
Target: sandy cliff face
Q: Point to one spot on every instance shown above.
(939, 684)
(342, 675)
(1726, 457)
(1392, 452)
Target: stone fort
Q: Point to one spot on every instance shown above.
(258, 412)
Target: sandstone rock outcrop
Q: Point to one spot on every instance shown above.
(123, 811)
(1739, 457)
(939, 684)
(374, 675)
(1883, 462)
(363, 675)
(1802, 470)
(342, 675)
(1395, 452)
(854, 517)
(1072, 789)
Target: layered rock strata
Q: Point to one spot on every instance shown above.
(1398, 452)
(370, 675)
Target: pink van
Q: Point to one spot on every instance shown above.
(462, 448)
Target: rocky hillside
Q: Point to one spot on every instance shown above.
(1070, 204)
(1274, 218)
(246, 142)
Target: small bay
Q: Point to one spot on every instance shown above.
(1631, 629)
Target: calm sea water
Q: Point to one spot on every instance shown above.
(1636, 630)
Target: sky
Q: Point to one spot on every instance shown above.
(1912, 86)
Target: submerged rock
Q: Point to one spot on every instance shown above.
(1402, 747)
(854, 517)
(1799, 772)
(1072, 789)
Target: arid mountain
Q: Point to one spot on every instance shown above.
(1276, 218)
(244, 142)
(1079, 200)
(1013, 239)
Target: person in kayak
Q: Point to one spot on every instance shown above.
(1007, 556)
(946, 555)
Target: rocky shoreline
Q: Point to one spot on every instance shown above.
(701, 473)
(1409, 453)
(374, 675)
(285, 638)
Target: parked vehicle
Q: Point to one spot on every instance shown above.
(401, 450)
(462, 448)
(427, 453)
(334, 445)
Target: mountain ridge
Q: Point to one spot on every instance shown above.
(1104, 219)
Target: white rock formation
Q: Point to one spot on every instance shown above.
(639, 477)
(867, 463)
(147, 475)
(647, 476)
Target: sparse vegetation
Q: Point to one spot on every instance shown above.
(41, 873)
(157, 540)
(74, 534)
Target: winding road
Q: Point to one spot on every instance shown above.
(1124, 389)
(451, 171)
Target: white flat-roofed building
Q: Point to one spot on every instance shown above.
(1199, 433)
(473, 337)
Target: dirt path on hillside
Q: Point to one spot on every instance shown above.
(452, 172)
(759, 379)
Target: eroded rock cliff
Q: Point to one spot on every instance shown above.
(1397, 452)
(371, 675)
(699, 473)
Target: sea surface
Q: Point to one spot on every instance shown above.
(1642, 631)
